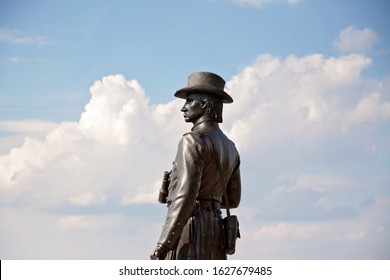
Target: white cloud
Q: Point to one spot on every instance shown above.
(96, 158)
(370, 108)
(313, 118)
(87, 198)
(352, 39)
(299, 103)
(73, 222)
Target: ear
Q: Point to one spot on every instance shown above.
(203, 104)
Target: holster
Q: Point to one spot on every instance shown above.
(232, 232)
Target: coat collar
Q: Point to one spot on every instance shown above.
(204, 126)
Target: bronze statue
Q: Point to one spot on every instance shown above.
(205, 178)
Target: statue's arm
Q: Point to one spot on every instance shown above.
(190, 163)
(233, 189)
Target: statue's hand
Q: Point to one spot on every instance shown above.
(159, 253)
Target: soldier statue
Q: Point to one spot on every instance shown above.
(205, 177)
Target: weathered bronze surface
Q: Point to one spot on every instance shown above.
(207, 164)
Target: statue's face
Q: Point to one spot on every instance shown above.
(192, 110)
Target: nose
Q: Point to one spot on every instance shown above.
(184, 108)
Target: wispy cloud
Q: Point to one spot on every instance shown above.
(14, 37)
(260, 3)
(27, 126)
(18, 130)
(16, 59)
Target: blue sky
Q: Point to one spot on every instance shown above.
(88, 122)
(71, 44)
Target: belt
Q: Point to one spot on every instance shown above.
(209, 203)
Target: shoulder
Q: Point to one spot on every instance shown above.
(194, 141)
(192, 138)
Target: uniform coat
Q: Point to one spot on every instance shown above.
(193, 228)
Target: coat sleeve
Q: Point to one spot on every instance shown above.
(233, 188)
(189, 163)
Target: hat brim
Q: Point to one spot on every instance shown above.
(184, 92)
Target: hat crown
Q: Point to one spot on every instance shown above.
(205, 82)
(206, 79)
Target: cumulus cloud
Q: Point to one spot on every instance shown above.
(305, 128)
(352, 39)
(118, 136)
(302, 103)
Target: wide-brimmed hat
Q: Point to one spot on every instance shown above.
(205, 82)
